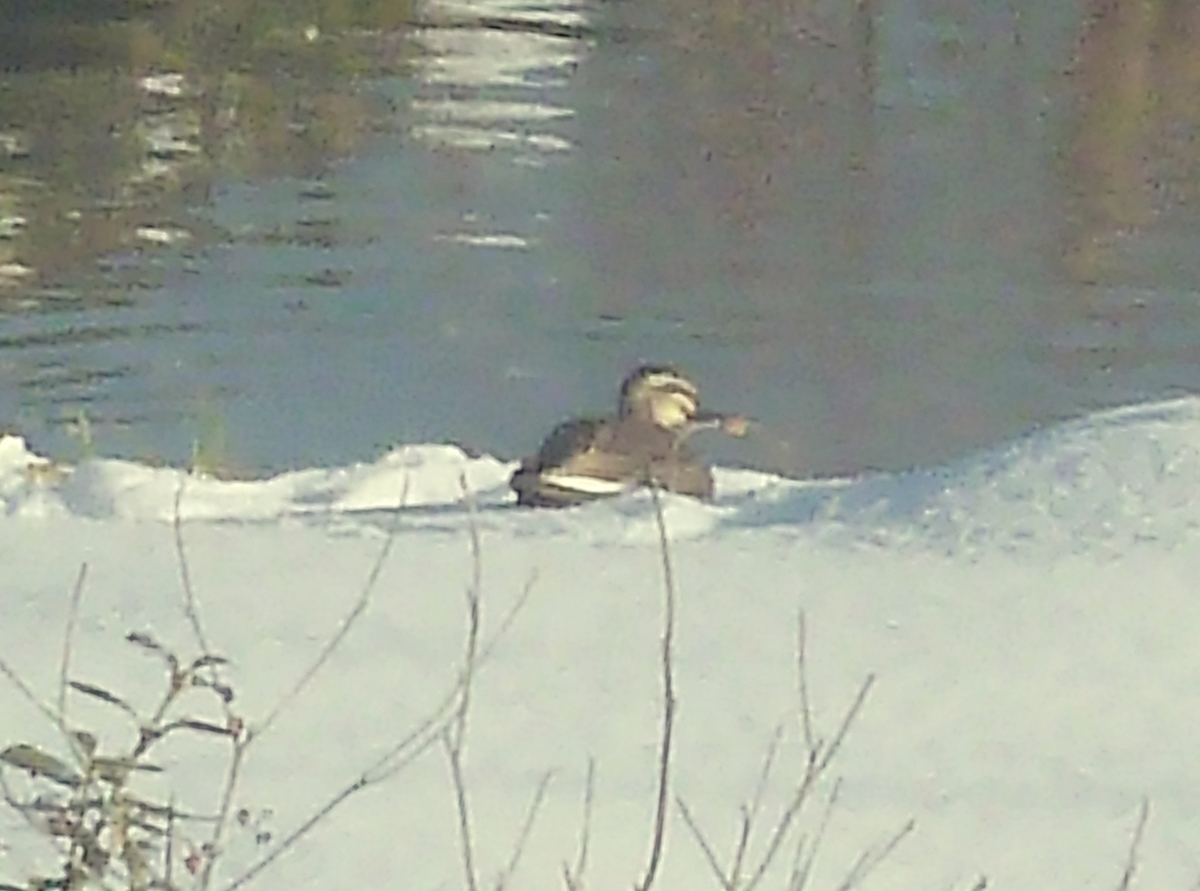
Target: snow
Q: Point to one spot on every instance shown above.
(1029, 615)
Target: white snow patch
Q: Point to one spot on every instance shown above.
(1029, 612)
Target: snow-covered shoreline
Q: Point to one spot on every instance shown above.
(1029, 613)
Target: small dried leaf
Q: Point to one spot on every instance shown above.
(39, 763)
(150, 808)
(149, 643)
(225, 692)
(144, 640)
(204, 726)
(206, 661)
(85, 742)
(112, 768)
(103, 695)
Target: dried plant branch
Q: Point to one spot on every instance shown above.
(668, 721)
(869, 859)
(713, 863)
(190, 609)
(68, 642)
(731, 879)
(429, 731)
(810, 740)
(535, 805)
(573, 877)
(419, 747)
(232, 775)
(169, 846)
(749, 815)
(454, 757)
(818, 761)
(454, 735)
(347, 623)
(386, 765)
(1131, 861)
(801, 876)
(30, 696)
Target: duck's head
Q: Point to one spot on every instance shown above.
(660, 393)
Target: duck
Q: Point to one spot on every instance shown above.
(587, 458)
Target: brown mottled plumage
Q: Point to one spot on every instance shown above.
(589, 458)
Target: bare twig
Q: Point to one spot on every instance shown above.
(810, 741)
(869, 859)
(454, 757)
(68, 642)
(1131, 860)
(535, 805)
(169, 847)
(190, 609)
(800, 877)
(573, 878)
(356, 611)
(664, 757)
(394, 758)
(454, 735)
(29, 695)
(819, 759)
(419, 747)
(709, 854)
(830, 751)
(403, 752)
(57, 715)
(749, 815)
(731, 879)
(240, 744)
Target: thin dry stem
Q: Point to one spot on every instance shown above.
(231, 780)
(810, 741)
(535, 805)
(731, 880)
(668, 724)
(709, 854)
(383, 768)
(324, 811)
(819, 759)
(573, 878)
(190, 609)
(1134, 845)
(869, 859)
(435, 727)
(356, 611)
(454, 736)
(749, 815)
(169, 846)
(68, 643)
(454, 757)
(800, 878)
(29, 696)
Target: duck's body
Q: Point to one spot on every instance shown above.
(588, 458)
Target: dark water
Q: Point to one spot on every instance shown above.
(892, 231)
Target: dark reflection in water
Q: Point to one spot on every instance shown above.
(893, 230)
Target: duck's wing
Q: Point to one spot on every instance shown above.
(572, 466)
(568, 440)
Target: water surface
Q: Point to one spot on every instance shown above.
(893, 234)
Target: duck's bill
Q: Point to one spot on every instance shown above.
(734, 425)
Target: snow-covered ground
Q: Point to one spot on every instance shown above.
(1030, 615)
